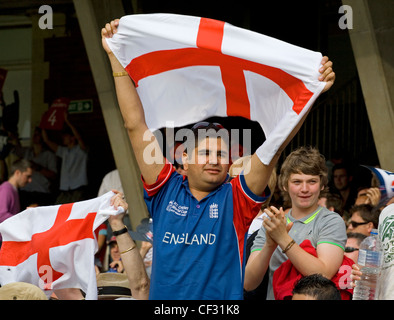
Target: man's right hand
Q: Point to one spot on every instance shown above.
(107, 32)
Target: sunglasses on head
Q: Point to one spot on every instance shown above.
(350, 249)
(206, 124)
(356, 224)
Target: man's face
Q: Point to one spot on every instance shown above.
(114, 252)
(341, 179)
(23, 178)
(208, 164)
(359, 225)
(304, 190)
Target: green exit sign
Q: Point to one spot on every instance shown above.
(80, 106)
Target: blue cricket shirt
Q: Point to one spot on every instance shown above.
(198, 246)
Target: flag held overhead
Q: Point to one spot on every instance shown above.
(187, 69)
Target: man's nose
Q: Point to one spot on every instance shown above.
(213, 158)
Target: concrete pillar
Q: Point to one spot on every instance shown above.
(92, 15)
(372, 42)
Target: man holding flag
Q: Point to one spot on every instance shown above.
(199, 221)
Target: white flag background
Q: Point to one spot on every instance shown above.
(187, 69)
(53, 247)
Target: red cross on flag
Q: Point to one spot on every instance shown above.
(53, 247)
(187, 69)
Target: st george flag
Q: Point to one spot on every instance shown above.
(187, 69)
(53, 247)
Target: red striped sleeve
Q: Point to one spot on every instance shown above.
(163, 177)
(246, 206)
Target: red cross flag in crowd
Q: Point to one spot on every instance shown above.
(53, 247)
(187, 69)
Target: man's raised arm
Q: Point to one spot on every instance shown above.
(131, 109)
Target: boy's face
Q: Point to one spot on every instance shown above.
(304, 190)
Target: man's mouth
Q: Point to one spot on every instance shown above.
(212, 170)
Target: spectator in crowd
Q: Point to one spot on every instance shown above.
(315, 287)
(101, 236)
(342, 179)
(332, 202)
(385, 287)
(73, 171)
(386, 236)
(363, 219)
(353, 242)
(303, 176)
(20, 175)
(367, 195)
(40, 191)
(115, 263)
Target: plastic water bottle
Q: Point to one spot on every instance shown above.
(370, 261)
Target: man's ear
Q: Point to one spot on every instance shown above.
(17, 173)
(370, 226)
(185, 161)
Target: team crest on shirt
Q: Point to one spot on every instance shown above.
(214, 211)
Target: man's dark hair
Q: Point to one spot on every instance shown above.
(368, 213)
(335, 200)
(317, 286)
(343, 165)
(204, 130)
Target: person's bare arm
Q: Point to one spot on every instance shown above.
(75, 132)
(131, 258)
(257, 266)
(49, 143)
(329, 256)
(132, 112)
(258, 261)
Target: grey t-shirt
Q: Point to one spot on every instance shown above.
(321, 226)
